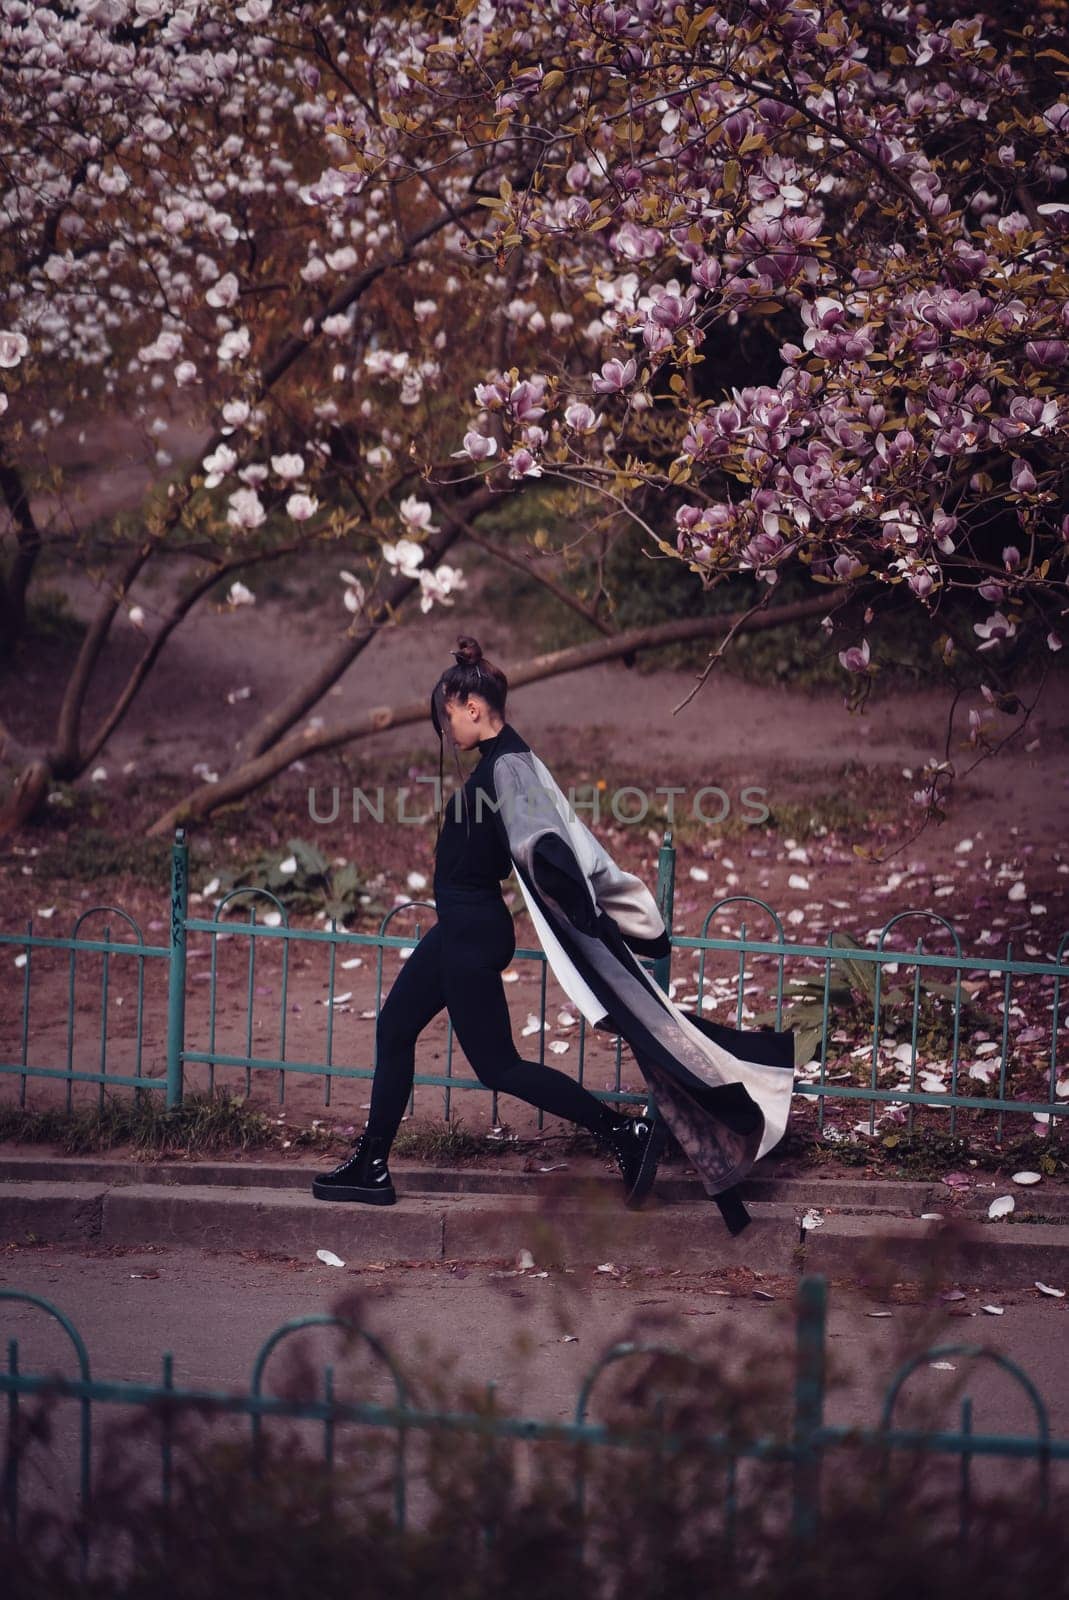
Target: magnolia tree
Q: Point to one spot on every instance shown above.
(860, 202)
(175, 242)
(403, 262)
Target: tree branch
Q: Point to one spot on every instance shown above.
(210, 797)
(281, 718)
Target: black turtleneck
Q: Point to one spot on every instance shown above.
(473, 849)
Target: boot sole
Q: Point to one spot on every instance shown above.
(337, 1191)
(648, 1167)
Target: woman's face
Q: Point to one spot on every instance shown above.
(469, 721)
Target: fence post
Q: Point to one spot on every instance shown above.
(176, 991)
(666, 892)
(808, 1406)
(662, 966)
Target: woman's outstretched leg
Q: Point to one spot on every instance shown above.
(479, 1011)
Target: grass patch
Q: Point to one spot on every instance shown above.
(925, 1155)
(89, 854)
(446, 1143)
(201, 1125)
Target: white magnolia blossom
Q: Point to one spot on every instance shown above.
(288, 466)
(234, 345)
(165, 347)
(355, 594)
(222, 461)
(59, 268)
(386, 363)
(238, 595)
(185, 373)
(342, 260)
(437, 585)
(302, 506)
(246, 509)
(416, 515)
(235, 412)
(224, 292)
(405, 555)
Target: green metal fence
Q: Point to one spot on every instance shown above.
(803, 1445)
(839, 992)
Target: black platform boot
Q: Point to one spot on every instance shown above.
(363, 1176)
(637, 1143)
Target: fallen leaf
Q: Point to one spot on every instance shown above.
(1027, 1177)
(812, 1219)
(943, 1366)
(993, 1311)
(1045, 1288)
(879, 1313)
(525, 1259)
(1002, 1206)
(329, 1259)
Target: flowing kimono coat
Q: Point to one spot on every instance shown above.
(723, 1092)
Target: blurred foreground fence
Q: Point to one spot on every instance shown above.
(803, 1444)
(905, 1041)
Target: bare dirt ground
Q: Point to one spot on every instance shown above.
(997, 870)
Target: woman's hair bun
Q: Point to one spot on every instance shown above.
(469, 651)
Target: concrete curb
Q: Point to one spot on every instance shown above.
(420, 1228)
(584, 1179)
(578, 1224)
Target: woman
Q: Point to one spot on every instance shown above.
(724, 1093)
(458, 963)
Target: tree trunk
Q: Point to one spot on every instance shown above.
(28, 795)
(14, 584)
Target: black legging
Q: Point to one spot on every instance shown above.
(458, 964)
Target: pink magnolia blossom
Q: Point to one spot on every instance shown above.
(996, 628)
(856, 658)
(615, 376)
(522, 464)
(477, 446)
(581, 418)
